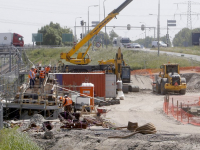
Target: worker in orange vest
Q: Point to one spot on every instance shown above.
(47, 69)
(35, 70)
(31, 76)
(67, 103)
(41, 76)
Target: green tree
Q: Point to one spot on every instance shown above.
(52, 34)
(184, 37)
(112, 34)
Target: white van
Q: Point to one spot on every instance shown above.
(155, 44)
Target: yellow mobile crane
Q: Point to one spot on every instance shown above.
(81, 57)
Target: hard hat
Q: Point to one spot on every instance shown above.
(40, 65)
(33, 67)
(49, 65)
(42, 69)
(66, 95)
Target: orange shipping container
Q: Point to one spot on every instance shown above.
(98, 79)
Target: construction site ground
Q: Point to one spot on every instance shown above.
(141, 107)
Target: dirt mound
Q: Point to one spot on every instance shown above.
(192, 80)
(143, 82)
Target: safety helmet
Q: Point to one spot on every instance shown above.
(33, 66)
(40, 65)
(42, 69)
(66, 95)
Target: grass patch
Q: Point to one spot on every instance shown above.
(195, 50)
(11, 139)
(136, 59)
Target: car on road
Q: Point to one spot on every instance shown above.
(155, 44)
(133, 45)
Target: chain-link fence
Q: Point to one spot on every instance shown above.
(13, 76)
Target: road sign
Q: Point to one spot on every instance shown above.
(95, 23)
(195, 38)
(37, 37)
(171, 21)
(98, 44)
(171, 25)
(67, 37)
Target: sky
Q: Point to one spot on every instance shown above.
(27, 16)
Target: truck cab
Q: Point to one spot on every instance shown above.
(18, 40)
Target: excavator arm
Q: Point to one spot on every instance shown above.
(80, 60)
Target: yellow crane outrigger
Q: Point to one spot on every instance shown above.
(81, 57)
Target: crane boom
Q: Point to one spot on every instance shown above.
(81, 60)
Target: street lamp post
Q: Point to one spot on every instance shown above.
(105, 25)
(88, 17)
(75, 28)
(158, 26)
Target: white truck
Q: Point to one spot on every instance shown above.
(121, 41)
(155, 44)
(7, 39)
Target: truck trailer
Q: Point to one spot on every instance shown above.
(8, 39)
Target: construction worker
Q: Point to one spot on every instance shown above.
(40, 67)
(67, 103)
(41, 76)
(31, 76)
(47, 69)
(35, 69)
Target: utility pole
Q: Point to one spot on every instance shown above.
(189, 12)
(158, 27)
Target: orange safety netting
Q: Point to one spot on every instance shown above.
(144, 72)
(185, 109)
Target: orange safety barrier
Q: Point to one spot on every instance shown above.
(143, 72)
(184, 109)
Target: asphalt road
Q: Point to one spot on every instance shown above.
(194, 57)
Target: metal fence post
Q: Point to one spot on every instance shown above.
(1, 116)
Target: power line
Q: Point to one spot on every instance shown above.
(189, 12)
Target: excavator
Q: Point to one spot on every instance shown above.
(83, 59)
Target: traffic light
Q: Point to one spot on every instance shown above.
(142, 27)
(128, 26)
(81, 35)
(82, 23)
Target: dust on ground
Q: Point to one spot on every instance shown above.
(142, 107)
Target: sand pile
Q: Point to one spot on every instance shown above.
(143, 82)
(192, 80)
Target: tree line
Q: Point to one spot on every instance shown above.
(52, 35)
